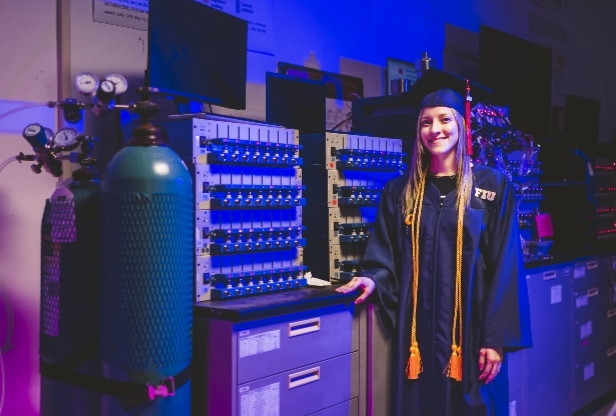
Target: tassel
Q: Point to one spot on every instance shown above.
(467, 116)
(414, 365)
(409, 219)
(455, 364)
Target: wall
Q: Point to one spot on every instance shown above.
(328, 34)
(28, 79)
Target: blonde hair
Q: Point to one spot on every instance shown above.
(420, 162)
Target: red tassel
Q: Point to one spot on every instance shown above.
(467, 117)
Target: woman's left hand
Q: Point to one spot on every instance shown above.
(490, 361)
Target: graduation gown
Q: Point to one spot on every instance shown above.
(495, 298)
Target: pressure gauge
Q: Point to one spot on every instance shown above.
(66, 139)
(35, 135)
(107, 87)
(48, 134)
(32, 130)
(86, 83)
(120, 83)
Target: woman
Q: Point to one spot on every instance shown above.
(444, 263)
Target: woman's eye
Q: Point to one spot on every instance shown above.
(425, 123)
(445, 120)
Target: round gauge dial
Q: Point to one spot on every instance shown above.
(66, 137)
(49, 134)
(32, 130)
(121, 85)
(107, 86)
(86, 83)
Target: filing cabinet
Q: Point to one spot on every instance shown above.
(548, 381)
(593, 330)
(298, 363)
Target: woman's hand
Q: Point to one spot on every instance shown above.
(490, 362)
(359, 282)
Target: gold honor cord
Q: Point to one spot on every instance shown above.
(414, 365)
(454, 368)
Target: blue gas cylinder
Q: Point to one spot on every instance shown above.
(146, 272)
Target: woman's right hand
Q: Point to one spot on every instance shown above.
(359, 282)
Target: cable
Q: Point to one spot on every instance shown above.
(23, 107)
(7, 162)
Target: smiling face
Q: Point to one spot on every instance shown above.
(439, 132)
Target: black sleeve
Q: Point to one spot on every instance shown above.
(380, 260)
(507, 322)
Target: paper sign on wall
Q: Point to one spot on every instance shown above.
(544, 226)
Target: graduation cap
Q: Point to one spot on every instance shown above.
(435, 79)
(437, 88)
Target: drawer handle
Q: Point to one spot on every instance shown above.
(549, 275)
(304, 327)
(592, 264)
(611, 313)
(593, 292)
(611, 351)
(304, 377)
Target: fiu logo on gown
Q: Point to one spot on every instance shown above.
(483, 194)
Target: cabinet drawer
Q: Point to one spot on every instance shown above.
(591, 300)
(593, 333)
(586, 274)
(271, 349)
(303, 390)
(588, 379)
(350, 408)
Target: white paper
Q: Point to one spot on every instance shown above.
(586, 330)
(579, 272)
(589, 371)
(126, 13)
(556, 294)
(581, 301)
(260, 343)
(261, 401)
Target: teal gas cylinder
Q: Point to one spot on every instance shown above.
(146, 272)
(69, 284)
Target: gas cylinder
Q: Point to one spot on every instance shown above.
(146, 273)
(69, 287)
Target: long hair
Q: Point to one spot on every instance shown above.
(420, 163)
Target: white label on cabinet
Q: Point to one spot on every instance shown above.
(261, 401)
(589, 371)
(579, 272)
(581, 301)
(586, 330)
(512, 408)
(257, 344)
(556, 294)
